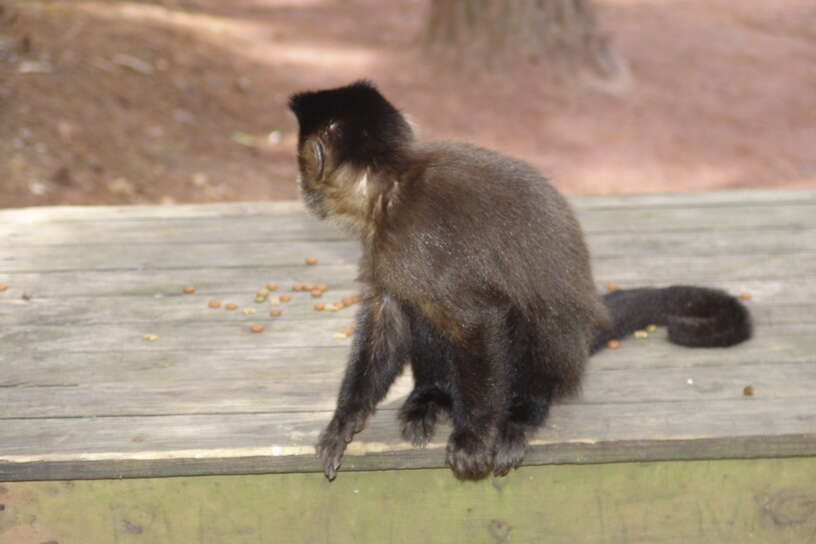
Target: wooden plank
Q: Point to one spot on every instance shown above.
(290, 257)
(181, 335)
(28, 368)
(263, 229)
(168, 282)
(279, 252)
(89, 310)
(240, 285)
(729, 198)
(698, 199)
(84, 310)
(219, 334)
(150, 212)
(728, 502)
(286, 389)
(76, 448)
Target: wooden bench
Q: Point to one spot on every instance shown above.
(109, 371)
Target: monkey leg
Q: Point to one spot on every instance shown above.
(527, 412)
(547, 365)
(482, 378)
(430, 401)
(379, 352)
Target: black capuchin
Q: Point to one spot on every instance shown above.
(474, 270)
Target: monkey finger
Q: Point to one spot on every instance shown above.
(331, 452)
(330, 468)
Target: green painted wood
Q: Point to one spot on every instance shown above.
(732, 501)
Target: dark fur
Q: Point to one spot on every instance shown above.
(474, 270)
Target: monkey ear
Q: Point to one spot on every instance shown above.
(313, 159)
(319, 157)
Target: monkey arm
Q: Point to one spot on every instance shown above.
(380, 350)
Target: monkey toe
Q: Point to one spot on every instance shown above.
(418, 431)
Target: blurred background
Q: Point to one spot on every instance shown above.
(171, 101)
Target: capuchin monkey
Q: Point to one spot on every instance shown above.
(474, 270)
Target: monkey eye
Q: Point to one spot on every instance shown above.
(317, 151)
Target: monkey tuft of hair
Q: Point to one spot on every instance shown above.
(475, 271)
(370, 131)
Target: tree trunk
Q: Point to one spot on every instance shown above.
(561, 36)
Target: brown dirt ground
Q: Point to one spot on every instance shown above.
(185, 100)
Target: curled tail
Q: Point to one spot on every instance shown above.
(695, 316)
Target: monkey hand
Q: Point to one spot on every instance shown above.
(334, 439)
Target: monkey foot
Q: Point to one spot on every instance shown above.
(470, 457)
(510, 448)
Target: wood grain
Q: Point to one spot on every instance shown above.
(83, 394)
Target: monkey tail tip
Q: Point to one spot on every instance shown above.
(702, 317)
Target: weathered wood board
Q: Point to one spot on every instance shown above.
(84, 395)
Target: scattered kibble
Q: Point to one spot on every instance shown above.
(311, 260)
(151, 337)
(322, 286)
(612, 286)
(262, 293)
(275, 312)
(319, 307)
(748, 390)
(214, 303)
(274, 300)
(259, 298)
(347, 332)
(317, 293)
(188, 289)
(272, 286)
(613, 344)
(256, 328)
(331, 307)
(308, 286)
(231, 306)
(339, 336)
(297, 287)
(248, 311)
(3, 286)
(641, 334)
(285, 298)
(745, 295)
